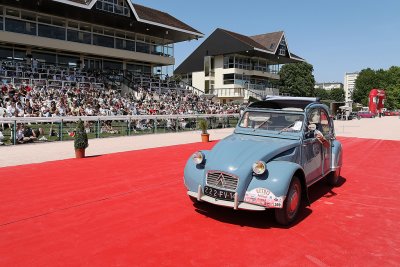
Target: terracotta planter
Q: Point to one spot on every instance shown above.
(205, 137)
(79, 153)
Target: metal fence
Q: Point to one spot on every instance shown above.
(61, 128)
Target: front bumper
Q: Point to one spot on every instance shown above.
(235, 204)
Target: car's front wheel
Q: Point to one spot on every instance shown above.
(291, 206)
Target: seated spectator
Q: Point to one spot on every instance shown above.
(31, 135)
(1, 138)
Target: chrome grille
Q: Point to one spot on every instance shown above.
(222, 180)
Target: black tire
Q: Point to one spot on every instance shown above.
(333, 177)
(291, 206)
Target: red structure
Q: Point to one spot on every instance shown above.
(376, 100)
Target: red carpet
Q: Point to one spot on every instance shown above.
(131, 209)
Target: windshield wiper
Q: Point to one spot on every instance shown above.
(262, 124)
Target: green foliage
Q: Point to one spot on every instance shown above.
(366, 80)
(388, 80)
(80, 138)
(203, 126)
(393, 97)
(321, 93)
(297, 79)
(337, 94)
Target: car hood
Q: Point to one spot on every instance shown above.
(236, 153)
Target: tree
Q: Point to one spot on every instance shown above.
(388, 80)
(321, 93)
(297, 79)
(366, 80)
(80, 137)
(337, 94)
(393, 97)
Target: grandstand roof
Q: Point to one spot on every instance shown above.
(222, 42)
(142, 19)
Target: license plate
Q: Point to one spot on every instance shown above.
(218, 193)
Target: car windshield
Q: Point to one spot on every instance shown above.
(272, 121)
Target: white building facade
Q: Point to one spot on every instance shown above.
(235, 67)
(349, 85)
(328, 86)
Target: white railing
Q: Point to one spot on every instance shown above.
(59, 128)
(112, 118)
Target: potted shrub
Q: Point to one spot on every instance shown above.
(203, 126)
(80, 140)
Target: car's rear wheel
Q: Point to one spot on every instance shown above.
(333, 177)
(291, 206)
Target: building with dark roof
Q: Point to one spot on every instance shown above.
(233, 66)
(95, 34)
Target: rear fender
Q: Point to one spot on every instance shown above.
(337, 157)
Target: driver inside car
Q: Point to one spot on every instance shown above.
(315, 129)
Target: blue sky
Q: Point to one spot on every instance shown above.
(335, 36)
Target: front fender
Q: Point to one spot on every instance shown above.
(193, 175)
(278, 178)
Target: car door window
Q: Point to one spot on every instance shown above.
(313, 117)
(325, 126)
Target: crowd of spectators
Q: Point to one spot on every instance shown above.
(72, 99)
(42, 101)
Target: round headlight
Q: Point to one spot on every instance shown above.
(259, 167)
(198, 157)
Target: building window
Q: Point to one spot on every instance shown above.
(112, 65)
(142, 47)
(207, 66)
(102, 40)
(1, 18)
(130, 45)
(51, 32)
(68, 61)
(45, 57)
(118, 7)
(19, 26)
(282, 47)
(229, 78)
(6, 53)
(229, 62)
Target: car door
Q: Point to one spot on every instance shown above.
(327, 131)
(312, 149)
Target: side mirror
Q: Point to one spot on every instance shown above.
(312, 127)
(311, 130)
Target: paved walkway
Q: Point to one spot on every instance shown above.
(387, 128)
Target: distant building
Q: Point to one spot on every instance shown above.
(91, 35)
(234, 67)
(349, 84)
(328, 86)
